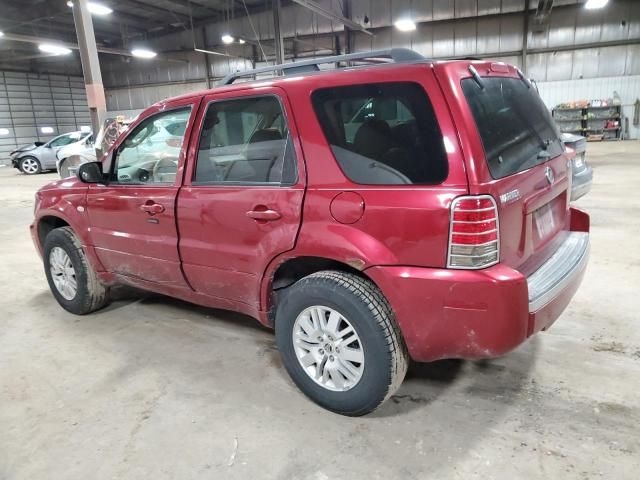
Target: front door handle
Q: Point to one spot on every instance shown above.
(263, 214)
(151, 207)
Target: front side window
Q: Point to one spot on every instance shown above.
(516, 128)
(383, 133)
(245, 141)
(150, 153)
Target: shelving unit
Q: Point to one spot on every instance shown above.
(590, 122)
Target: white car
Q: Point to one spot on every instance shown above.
(70, 157)
(38, 157)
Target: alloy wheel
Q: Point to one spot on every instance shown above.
(328, 348)
(63, 273)
(29, 166)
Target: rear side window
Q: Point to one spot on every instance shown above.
(516, 128)
(245, 141)
(383, 134)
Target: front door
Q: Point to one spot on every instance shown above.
(241, 202)
(133, 221)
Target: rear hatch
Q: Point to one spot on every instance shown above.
(515, 154)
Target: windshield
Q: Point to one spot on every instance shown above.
(516, 128)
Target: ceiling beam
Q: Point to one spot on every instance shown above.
(180, 17)
(320, 10)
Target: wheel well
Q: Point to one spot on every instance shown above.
(46, 224)
(294, 269)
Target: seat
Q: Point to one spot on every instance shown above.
(373, 139)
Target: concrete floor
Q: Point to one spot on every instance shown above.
(156, 388)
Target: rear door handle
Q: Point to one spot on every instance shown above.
(151, 207)
(262, 213)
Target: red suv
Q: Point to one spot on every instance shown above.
(370, 214)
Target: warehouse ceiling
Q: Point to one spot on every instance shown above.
(131, 21)
(174, 27)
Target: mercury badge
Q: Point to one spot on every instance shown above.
(549, 174)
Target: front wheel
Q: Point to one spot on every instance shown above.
(340, 343)
(71, 279)
(30, 166)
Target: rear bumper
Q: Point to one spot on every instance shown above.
(485, 313)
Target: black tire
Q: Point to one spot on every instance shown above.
(31, 160)
(359, 300)
(91, 294)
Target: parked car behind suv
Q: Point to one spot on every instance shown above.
(371, 215)
(581, 171)
(38, 157)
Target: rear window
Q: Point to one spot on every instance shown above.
(383, 134)
(516, 128)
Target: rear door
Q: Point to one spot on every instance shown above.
(514, 153)
(241, 202)
(133, 216)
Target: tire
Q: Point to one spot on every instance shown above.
(30, 166)
(90, 294)
(63, 168)
(360, 305)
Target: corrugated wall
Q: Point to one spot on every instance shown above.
(29, 102)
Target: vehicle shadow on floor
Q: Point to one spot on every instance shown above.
(500, 380)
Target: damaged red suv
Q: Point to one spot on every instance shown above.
(370, 214)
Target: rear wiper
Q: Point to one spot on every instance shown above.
(476, 77)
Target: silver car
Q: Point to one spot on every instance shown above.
(582, 173)
(38, 157)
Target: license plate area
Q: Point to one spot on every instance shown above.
(544, 221)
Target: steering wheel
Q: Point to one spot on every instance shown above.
(165, 166)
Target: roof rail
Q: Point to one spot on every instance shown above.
(397, 55)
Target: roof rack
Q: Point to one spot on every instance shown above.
(397, 55)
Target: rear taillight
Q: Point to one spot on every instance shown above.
(474, 233)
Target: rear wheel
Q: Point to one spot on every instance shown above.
(339, 342)
(71, 279)
(30, 166)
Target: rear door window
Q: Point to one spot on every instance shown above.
(516, 128)
(383, 134)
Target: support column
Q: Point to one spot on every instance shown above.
(277, 34)
(207, 64)
(90, 65)
(348, 34)
(525, 36)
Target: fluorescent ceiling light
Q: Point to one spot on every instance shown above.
(54, 49)
(593, 4)
(95, 8)
(1, 34)
(46, 129)
(241, 41)
(226, 38)
(143, 53)
(85, 128)
(405, 25)
(4, 131)
(99, 9)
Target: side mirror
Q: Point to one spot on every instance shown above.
(91, 172)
